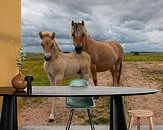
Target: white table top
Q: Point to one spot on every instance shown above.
(65, 91)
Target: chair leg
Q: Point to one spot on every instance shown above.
(70, 119)
(130, 123)
(90, 119)
(138, 123)
(150, 123)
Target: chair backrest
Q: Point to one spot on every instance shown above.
(79, 102)
(79, 83)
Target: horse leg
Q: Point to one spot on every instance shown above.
(52, 83)
(56, 82)
(86, 76)
(52, 113)
(58, 79)
(80, 74)
(112, 70)
(59, 104)
(118, 69)
(94, 74)
(85, 72)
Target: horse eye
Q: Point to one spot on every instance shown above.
(83, 35)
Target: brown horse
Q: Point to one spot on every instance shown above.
(105, 55)
(58, 64)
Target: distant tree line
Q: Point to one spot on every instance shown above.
(138, 52)
(143, 51)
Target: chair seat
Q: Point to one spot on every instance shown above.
(79, 102)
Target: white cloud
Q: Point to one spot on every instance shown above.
(155, 36)
(155, 24)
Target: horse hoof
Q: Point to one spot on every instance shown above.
(51, 120)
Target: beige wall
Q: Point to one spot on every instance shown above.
(10, 29)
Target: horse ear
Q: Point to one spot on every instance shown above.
(53, 35)
(82, 23)
(72, 23)
(40, 34)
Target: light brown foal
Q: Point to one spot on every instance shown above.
(58, 64)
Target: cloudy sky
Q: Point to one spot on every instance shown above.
(137, 24)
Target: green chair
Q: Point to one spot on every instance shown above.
(79, 103)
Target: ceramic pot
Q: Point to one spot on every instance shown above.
(18, 82)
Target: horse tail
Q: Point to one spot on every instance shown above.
(119, 76)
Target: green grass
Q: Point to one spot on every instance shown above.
(143, 57)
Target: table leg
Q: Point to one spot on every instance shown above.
(117, 116)
(9, 113)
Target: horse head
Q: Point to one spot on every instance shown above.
(48, 44)
(78, 32)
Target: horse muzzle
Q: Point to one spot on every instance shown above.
(47, 58)
(78, 49)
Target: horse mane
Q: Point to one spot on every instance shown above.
(78, 30)
(57, 45)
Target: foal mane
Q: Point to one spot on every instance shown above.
(57, 45)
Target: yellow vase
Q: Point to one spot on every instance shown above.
(18, 82)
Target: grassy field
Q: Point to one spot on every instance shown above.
(143, 57)
(33, 65)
